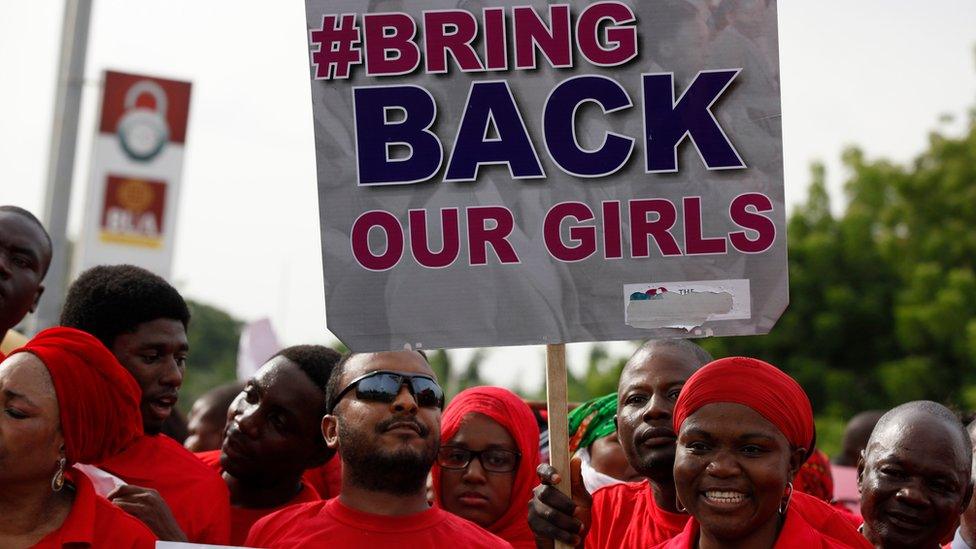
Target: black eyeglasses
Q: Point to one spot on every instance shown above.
(384, 385)
(493, 460)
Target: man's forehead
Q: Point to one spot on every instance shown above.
(283, 380)
(400, 361)
(160, 332)
(669, 364)
(273, 370)
(920, 440)
(23, 232)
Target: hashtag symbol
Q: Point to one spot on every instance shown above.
(335, 46)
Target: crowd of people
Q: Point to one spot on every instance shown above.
(319, 449)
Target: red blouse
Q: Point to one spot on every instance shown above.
(94, 522)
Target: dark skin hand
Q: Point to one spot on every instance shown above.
(148, 506)
(554, 515)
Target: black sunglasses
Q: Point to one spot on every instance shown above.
(384, 385)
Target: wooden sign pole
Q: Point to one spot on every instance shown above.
(558, 409)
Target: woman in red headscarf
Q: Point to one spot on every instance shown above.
(66, 400)
(744, 429)
(485, 470)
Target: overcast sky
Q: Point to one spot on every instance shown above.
(876, 73)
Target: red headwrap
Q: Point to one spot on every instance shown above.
(509, 411)
(814, 477)
(756, 384)
(98, 399)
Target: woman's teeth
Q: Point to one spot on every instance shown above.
(725, 497)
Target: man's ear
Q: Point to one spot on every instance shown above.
(37, 297)
(322, 453)
(330, 431)
(860, 471)
(968, 496)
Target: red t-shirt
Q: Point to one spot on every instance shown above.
(810, 524)
(94, 522)
(327, 478)
(196, 495)
(625, 515)
(242, 518)
(332, 524)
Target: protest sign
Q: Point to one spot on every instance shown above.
(547, 173)
(137, 164)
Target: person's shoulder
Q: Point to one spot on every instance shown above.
(677, 542)
(271, 526)
(468, 534)
(101, 523)
(210, 458)
(119, 527)
(184, 462)
(683, 539)
(297, 511)
(833, 529)
(622, 491)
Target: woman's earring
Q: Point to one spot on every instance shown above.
(57, 483)
(677, 504)
(786, 504)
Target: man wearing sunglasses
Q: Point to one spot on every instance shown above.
(384, 413)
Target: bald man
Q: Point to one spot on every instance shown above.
(639, 514)
(966, 534)
(915, 477)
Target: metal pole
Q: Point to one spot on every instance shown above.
(61, 162)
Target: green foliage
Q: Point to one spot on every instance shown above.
(883, 297)
(600, 377)
(456, 379)
(830, 433)
(213, 335)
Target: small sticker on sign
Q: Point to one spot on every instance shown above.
(685, 305)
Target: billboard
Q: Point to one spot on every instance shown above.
(137, 162)
(495, 174)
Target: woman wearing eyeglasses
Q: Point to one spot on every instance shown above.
(744, 429)
(485, 469)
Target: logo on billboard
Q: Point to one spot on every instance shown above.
(143, 131)
(133, 212)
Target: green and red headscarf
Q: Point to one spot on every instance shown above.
(592, 420)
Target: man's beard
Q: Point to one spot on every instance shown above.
(657, 466)
(373, 468)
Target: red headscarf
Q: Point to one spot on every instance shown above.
(756, 384)
(98, 399)
(814, 477)
(509, 411)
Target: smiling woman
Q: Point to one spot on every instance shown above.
(485, 470)
(744, 429)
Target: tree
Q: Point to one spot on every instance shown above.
(883, 298)
(213, 335)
